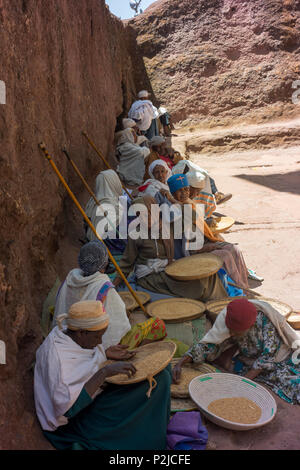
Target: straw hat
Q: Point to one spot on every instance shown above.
(194, 267)
(88, 315)
(176, 310)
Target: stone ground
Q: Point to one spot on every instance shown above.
(265, 184)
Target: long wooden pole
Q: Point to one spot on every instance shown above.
(81, 177)
(87, 187)
(103, 159)
(43, 148)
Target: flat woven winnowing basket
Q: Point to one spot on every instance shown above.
(194, 267)
(148, 361)
(176, 310)
(130, 302)
(222, 224)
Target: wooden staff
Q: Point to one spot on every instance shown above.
(81, 177)
(103, 159)
(43, 148)
(87, 187)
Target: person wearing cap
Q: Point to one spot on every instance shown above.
(76, 408)
(234, 263)
(262, 343)
(200, 188)
(144, 113)
(90, 282)
(131, 156)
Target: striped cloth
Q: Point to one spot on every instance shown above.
(209, 201)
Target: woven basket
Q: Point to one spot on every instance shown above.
(215, 307)
(294, 320)
(149, 361)
(182, 404)
(129, 300)
(176, 310)
(188, 373)
(222, 224)
(209, 387)
(194, 267)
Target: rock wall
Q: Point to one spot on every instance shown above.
(67, 68)
(220, 60)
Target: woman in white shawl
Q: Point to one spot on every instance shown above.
(131, 158)
(109, 193)
(159, 174)
(90, 283)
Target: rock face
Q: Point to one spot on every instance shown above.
(66, 68)
(220, 60)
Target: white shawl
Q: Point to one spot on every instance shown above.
(197, 176)
(144, 112)
(219, 332)
(77, 288)
(62, 369)
(108, 190)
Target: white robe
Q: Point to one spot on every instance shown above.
(77, 288)
(144, 112)
(62, 369)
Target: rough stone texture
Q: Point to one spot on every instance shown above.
(220, 60)
(67, 69)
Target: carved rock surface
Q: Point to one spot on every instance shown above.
(219, 60)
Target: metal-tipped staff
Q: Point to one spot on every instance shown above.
(103, 159)
(43, 148)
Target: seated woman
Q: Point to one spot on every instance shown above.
(109, 193)
(90, 283)
(160, 151)
(131, 158)
(76, 409)
(148, 259)
(157, 183)
(264, 341)
(199, 182)
(233, 259)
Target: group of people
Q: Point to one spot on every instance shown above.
(76, 407)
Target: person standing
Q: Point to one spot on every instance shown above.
(145, 114)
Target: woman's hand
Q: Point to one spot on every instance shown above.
(252, 373)
(119, 368)
(117, 281)
(119, 353)
(176, 372)
(168, 195)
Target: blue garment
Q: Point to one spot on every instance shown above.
(231, 290)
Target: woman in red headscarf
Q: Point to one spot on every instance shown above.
(263, 344)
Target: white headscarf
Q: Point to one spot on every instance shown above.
(159, 163)
(143, 94)
(108, 190)
(197, 177)
(128, 123)
(157, 140)
(126, 136)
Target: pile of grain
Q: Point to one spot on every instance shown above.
(236, 409)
